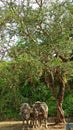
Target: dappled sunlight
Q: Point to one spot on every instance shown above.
(17, 125)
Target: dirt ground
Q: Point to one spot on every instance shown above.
(17, 125)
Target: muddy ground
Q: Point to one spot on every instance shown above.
(17, 125)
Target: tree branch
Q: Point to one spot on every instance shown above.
(39, 3)
(50, 83)
(63, 58)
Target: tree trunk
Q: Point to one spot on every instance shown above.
(58, 94)
(60, 97)
(60, 113)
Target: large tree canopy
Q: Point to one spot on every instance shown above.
(38, 37)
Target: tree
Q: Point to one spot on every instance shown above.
(40, 33)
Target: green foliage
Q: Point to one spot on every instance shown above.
(68, 104)
(9, 103)
(39, 34)
(51, 105)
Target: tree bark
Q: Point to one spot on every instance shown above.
(60, 113)
(59, 96)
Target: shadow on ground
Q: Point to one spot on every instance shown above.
(18, 126)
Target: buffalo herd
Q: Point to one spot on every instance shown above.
(35, 115)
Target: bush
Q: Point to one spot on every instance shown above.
(68, 104)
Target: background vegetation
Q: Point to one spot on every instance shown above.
(31, 42)
(15, 89)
